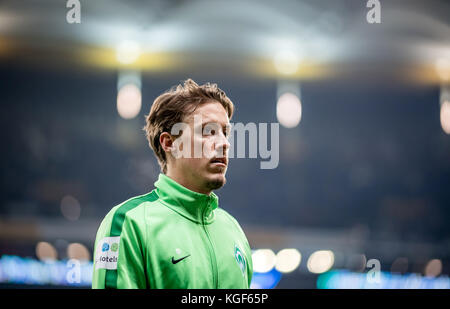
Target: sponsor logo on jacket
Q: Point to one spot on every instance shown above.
(107, 253)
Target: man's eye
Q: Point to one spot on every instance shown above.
(209, 132)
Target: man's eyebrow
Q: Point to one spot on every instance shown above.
(218, 123)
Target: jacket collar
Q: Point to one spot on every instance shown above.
(195, 206)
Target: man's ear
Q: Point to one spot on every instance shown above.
(166, 141)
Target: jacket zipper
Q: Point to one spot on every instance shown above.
(211, 250)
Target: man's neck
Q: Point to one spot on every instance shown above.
(186, 183)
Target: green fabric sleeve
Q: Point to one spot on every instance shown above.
(120, 240)
(131, 264)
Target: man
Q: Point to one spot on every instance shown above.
(176, 236)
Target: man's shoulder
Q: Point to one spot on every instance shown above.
(132, 207)
(225, 214)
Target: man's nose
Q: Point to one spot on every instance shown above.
(222, 144)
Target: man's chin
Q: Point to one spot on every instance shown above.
(216, 182)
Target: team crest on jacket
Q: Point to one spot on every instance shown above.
(240, 258)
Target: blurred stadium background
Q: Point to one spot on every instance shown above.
(364, 169)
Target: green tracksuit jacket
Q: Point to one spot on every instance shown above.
(171, 238)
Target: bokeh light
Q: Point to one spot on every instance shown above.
(70, 208)
(400, 265)
(128, 52)
(263, 260)
(445, 117)
(287, 260)
(443, 68)
(286, 62)
(433, 268)
(45, 251)
(78, 251)
(320, 261)
(356, 262)
(129, 101)
(289, 110)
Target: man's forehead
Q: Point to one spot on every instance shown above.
(211, 119)
(210, 113)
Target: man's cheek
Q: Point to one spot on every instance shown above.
(208, 149)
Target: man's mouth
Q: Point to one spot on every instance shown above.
(219, 161)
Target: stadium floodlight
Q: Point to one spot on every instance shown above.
(128, 52)
(443, 68)
(286, 62)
